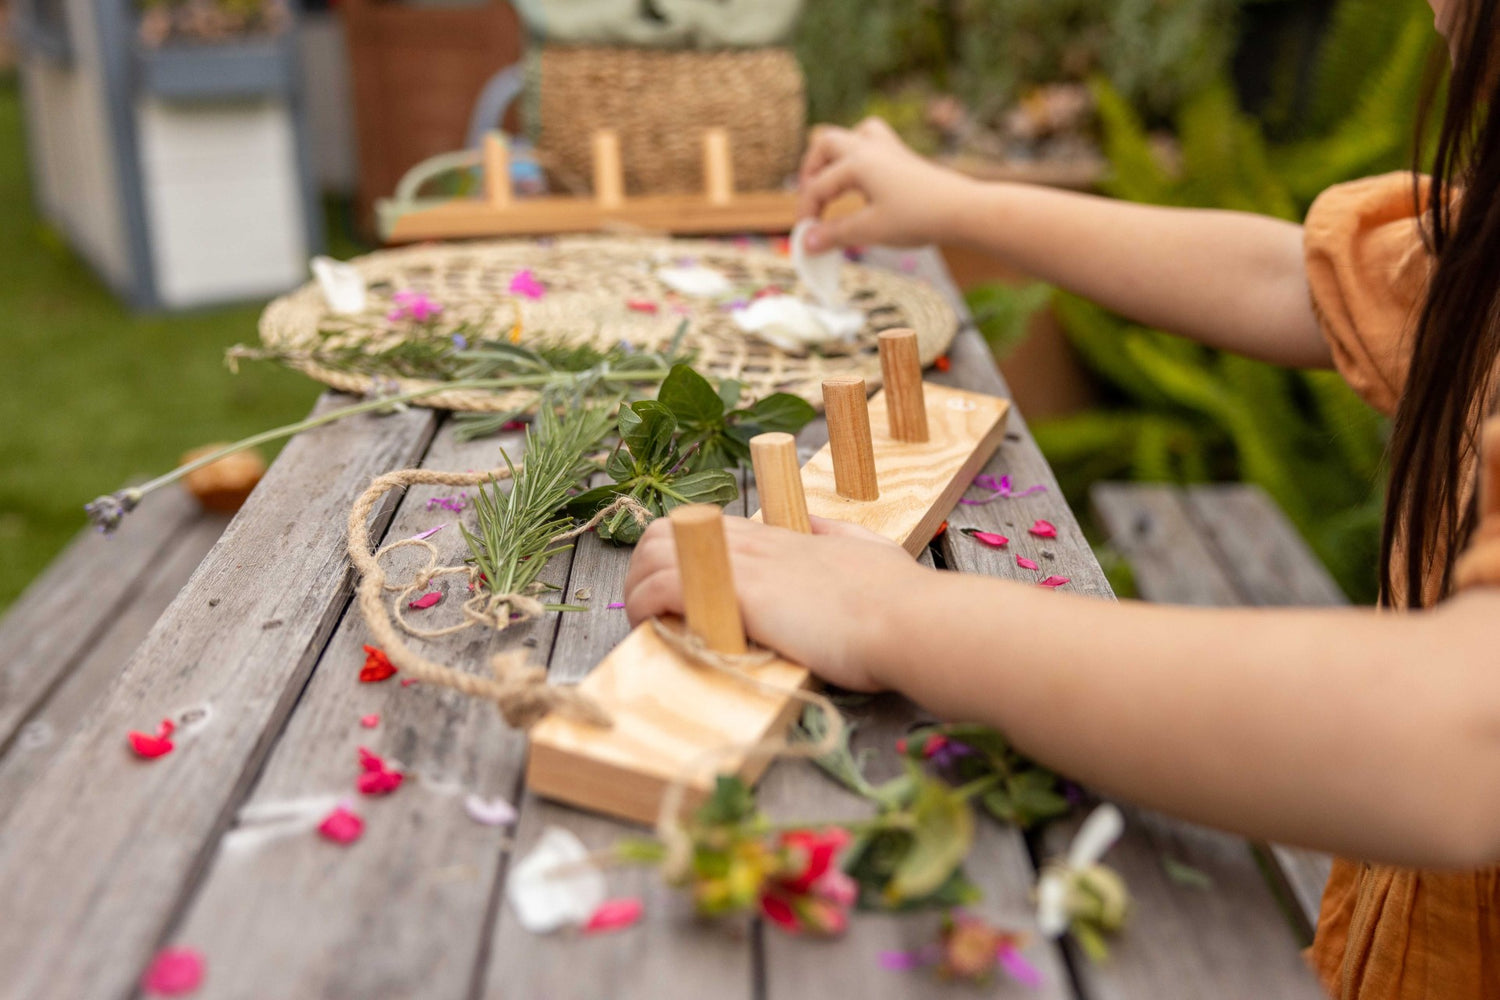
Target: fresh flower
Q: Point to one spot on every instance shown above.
(1079, 894)
(414, 306)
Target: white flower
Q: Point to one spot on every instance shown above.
(342, 285)
(793, 325)
(819, 273)
(555, 885)
(1080, 887)
(697, 281)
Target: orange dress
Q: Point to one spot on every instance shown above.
(1388, 933)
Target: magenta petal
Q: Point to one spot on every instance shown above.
(1053, 582)
(525, 285)
(426, 601)
(905, 961)
(1044, 529)
(614, 915)
(423, 535)
(989, 538)
(1025, 563)
(615, 606)
(173, 972)
(1016, 966)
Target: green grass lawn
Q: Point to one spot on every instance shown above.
(92, 396)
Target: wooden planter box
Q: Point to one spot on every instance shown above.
(179, 173)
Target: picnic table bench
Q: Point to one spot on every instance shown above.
(244, 634)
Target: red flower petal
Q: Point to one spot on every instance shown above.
(369, 721)
(901, 746)
(819, 849)
(614, 915)
(942, 530)
(148, 746)
(380, 782)
(1025, 563)
(408, 682)
(942, 364)
(779, 912)
(935, 743)
(342, 826)
(989, 538)
(377, 666)
(426, 601)
(1044, 529)
(641, 305)
(1053, 582)
(173, 972)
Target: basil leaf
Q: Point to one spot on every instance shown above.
(646, 428)
(585, 504)
(690, 398)
(730, 391)
(780, 411)
(710, 486)
(944, 832)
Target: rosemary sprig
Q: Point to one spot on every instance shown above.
(516, 528)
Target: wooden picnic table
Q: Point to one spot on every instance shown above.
(105, 858)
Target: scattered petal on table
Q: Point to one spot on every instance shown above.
(1053, 582)
(614, 915)
(174, 972)
(615, 605)
(148, 746)
(424, 535)
(989, 538)
(1018, 968)
(342, 826)
(526, 285)
(555, 885)
(1044, 529)
(1025, 563)
(378, 778)
(641, 305)
(426, 601)
(699, 282)
(490, 812)
(369, 721)
(378, 666)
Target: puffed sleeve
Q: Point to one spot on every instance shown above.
(1367, 269)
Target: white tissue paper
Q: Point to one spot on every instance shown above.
(699, 282)
(342, 284)
(819, 273)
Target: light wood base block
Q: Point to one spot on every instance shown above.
(669, 715)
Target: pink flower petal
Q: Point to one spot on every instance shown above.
(1025, 563)
(423, 535)
(905, 961)
(173, 972)
(1044, 529)
(1018, 968)
(614, 915)
(489, 812)
(378, 778)
(369, 721)
(616, 606)
(342, 826)
(989, 538)
(426, 601)
(150, 747)
(408, 682)
(525, 285)
(641, 305)
(1053, 582)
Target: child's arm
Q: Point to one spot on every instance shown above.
(1373, 735)
(1229, 279)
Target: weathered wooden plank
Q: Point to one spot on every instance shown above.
(1226, 940)
(1259, 549)
(99, 853)
(62, 615)
(1171, 560)
(403, 912)
(669, 954)
(1223, 547)
(66, 708)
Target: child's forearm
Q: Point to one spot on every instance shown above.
(1229, 279)
(1375, 736)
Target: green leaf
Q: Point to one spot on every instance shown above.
(731, 802)
(646, 428)
(691, 398)
(943, 833)
(730, 391)
(714, 486)
(780, 411)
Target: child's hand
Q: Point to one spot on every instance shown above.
(909, 200)
(823, 601)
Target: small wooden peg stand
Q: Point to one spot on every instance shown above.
(713, 611)
(609, 174)
(901, 366)
(718, 168)
(849, 437)
(778, 479)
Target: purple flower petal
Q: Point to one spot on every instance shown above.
(1018, 968)
(424, 535)
(616, 606)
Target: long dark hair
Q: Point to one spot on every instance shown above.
(1434, 435)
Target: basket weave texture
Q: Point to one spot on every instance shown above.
(596, 288)
(660, 102)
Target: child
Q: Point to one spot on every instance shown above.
(1372, 734)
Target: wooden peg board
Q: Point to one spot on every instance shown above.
(919, 483)
(668, 715)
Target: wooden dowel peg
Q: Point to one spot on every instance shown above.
(712, 609)
(718, 167)
(496, 154)
(778, 479)
(609, 175)
(848, 413)
(905, 402)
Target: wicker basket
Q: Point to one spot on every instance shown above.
(660, 102)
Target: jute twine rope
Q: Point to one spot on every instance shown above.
(520, 690)
(596, 290)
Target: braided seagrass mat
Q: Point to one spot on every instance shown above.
(599, 290)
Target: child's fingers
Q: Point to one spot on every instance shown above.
(828, 526)
(655, 551)
(658, 594)
(833, 181)
(827, 144)
(855, 229)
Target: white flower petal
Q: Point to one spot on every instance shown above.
(699, 282)
(490, 812)
(555, 885)
(1052, 904)
(794, 325)
(342, 285)
(819, 273)
(1097, 835)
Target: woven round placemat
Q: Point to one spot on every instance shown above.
(597, 291)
